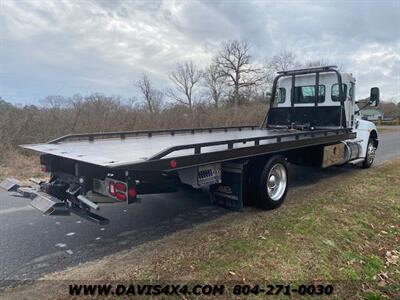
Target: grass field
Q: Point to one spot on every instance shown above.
(343, 230)
(348, 234)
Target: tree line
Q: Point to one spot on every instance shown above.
(196, 97)
(231, 78)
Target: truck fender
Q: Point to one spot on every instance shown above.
(365, 131)
(374, 135)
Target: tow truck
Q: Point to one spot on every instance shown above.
(312, 119)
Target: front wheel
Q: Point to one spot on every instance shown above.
(273, 183)
(370, 156)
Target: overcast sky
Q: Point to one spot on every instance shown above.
(67, 47)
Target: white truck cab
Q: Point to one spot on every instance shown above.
(295, 96)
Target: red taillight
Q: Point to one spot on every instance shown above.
(118, 189)
(43, 168)
(172, 163)
(132, 192)
(120, 196)
(121, 187)
(111, 188)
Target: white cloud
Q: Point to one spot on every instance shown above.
(67, 47)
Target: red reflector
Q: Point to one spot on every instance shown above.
(132, 192)
(172, 163)
(120, 196)
(111, 188)
(120, 187)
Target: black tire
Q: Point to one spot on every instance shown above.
(369, 158)
(263, 198)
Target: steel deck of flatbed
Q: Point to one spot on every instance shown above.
(188, 147)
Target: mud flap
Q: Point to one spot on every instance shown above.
(230, 192)
(10, 184)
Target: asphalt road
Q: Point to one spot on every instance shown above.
(32, 244)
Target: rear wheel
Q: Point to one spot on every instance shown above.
(370, 156)
(273, 183)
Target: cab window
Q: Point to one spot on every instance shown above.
(281, 97)
(335, 92)
(306, 94)
(351, 91)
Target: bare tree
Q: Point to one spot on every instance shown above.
(54, 101)
(317, 63)
(233, 63)
(152, 96)
(282, 61)
(215, 84)
(185, 80)
(322, 62)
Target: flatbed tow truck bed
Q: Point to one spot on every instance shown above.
(154, 150)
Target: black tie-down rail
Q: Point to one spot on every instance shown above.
(149, 133)
(279, 142)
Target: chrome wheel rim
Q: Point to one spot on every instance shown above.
(371, 153)
(277, 182)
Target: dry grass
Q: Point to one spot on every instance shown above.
(15, 163)
(31, 124)
(329, 233)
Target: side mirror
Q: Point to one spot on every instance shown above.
(374, 96)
